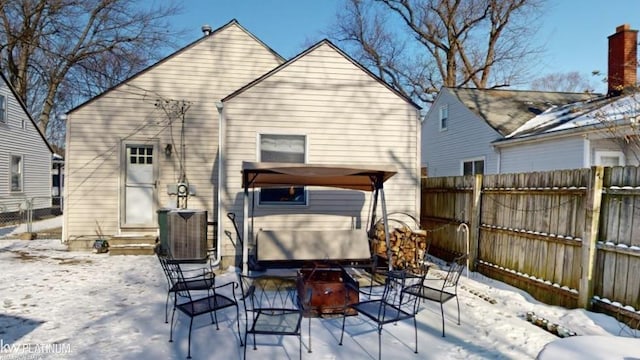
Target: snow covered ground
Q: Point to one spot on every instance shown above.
(56, 304)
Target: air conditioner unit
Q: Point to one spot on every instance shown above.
(187, 234)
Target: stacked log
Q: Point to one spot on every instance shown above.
(407, 246)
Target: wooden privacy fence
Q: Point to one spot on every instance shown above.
(568, 237)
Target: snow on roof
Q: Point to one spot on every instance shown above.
(581, 114)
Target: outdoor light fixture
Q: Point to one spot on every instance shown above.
(168, 149)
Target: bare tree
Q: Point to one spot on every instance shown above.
(618, 119)
(57, 53)
(568, 82)
(418, 46)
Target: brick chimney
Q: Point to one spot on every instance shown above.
(623, 60)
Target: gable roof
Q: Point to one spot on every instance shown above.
(24, 108)
(309, 50)
(233, 22)
(579, 116)
(507, 110)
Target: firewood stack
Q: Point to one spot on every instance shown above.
(407, 246)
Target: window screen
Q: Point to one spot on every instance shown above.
(286, 149)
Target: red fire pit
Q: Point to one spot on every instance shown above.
(329, 291)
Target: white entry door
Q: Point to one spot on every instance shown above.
(139, 186)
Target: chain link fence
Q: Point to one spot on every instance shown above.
(28, 210)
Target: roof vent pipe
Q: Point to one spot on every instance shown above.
(206, 29)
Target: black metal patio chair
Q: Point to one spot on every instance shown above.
(273, 307)
(194, 280)
(394, 304)
(442, 290)
(196, 306)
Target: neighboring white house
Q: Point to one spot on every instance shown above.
(25, 158)
(461, 127)
(470, 131)
(241, 102)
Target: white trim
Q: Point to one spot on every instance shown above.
(20, 172)
(417, 188)
(123, 160)
(479, 158)
(3, 109)
(586, 157)
(259, 158)
(443, 108)
(221, 181)
(599, 154)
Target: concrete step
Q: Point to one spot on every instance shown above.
(131, 240)
(132, 244)
(132, 249)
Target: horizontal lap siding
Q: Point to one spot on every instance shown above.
(202, 75)
(467, 137)
(36, 157)
(347, 116)
(562, 153)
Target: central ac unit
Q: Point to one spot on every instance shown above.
(187, 234)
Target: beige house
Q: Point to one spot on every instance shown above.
(233, 99)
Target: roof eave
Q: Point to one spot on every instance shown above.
(172, 55)
(307, 51)
(24, 108)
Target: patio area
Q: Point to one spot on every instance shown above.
(83, 305)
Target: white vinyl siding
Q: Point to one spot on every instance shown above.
(467, 137)
(553, 154)
(200, 75)
(348, 118)
(27, 144)
(627, 155)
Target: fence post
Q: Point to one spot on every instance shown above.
(474, 230)
(590, 236)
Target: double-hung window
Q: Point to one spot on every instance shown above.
(473, 167)
(3, 108)
(283, 149)
(16, 173)
(444, 117)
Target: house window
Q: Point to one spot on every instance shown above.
(140, 155)
(3, 109)
(444, 117)
(609, 158)
(287, 149)
(473, 167)
(16, 173)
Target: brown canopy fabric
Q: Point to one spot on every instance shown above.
(263, 174)
(256, 174)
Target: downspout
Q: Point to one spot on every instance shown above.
(245, 225)
(418, 195)
(220, 107)
(65, 189)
